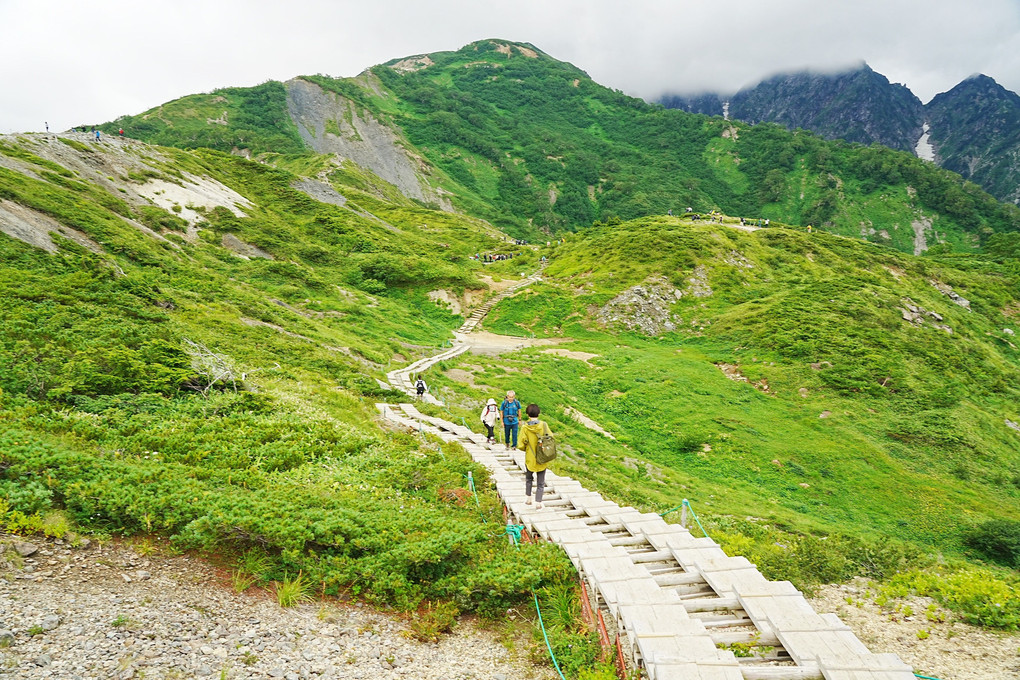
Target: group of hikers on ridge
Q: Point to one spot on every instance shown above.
(535, 439)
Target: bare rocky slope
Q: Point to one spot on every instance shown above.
(331, 124)
(122, 611)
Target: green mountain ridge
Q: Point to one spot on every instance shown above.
(505, 132)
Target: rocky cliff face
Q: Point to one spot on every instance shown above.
(858, 106)
(708, 103)
(975, 129)
(329, 123)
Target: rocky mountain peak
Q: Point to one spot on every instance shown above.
(975, 128)
(858, 105)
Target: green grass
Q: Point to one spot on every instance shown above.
(887, 438)
(101, 415)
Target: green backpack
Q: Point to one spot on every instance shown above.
(545, 448)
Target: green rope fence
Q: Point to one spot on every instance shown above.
(686, 507)
(514, 531)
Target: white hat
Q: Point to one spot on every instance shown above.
(491, 401)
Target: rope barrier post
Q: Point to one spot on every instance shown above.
(683, 514)
(603, 634)
(471, 483)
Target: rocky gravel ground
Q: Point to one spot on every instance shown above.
(947, 649)
(109, 612)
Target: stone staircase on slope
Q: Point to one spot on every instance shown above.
(681, 604)
(477, 315)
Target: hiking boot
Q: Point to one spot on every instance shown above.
(528, 501)
(538, 506)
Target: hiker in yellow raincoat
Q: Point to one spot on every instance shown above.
(535, 471)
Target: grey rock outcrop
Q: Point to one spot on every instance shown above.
(645, 308)
(321, 115)
(25, 549)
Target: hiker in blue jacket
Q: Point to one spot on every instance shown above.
(511, 409)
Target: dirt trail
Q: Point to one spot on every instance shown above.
(483, 342)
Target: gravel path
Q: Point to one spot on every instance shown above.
(108, 612)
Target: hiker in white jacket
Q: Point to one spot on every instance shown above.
(490, 414)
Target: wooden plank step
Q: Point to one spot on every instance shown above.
(663, 618)
(726, 582)
(750, 636)
(782, 673)
(655, 556)
(710, 604)
(662, 569)
(678, 648)
(682, 578)
(695, 591)
(691, 671)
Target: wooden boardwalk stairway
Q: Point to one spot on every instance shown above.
(680, 603)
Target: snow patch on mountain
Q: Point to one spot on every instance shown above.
(924, 149)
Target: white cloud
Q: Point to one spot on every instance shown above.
(72, 62)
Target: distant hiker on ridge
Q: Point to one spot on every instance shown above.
(420, 387)
(511, 409)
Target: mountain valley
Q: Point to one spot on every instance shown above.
(813, 341)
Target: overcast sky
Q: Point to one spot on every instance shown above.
(78, 62)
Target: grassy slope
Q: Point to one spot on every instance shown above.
(96, 417)
(253, 118)
(915, 445)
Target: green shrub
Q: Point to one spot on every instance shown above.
(997, 540)
(158, 219)
(28, 496)
(979, 596)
